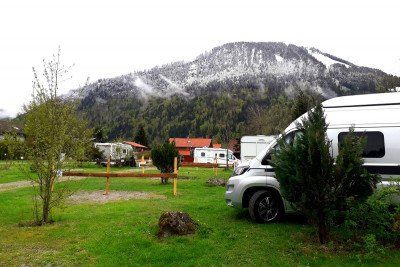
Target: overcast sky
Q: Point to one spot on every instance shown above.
(109, 38)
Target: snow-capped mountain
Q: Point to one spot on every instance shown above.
(276, 66)
(215, 94)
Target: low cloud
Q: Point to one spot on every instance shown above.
(3, 114)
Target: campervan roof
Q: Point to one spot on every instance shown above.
(363, 100)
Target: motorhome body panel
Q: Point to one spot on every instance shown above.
(378, 113)
(117, 151)
(214, 155)
(251, 146)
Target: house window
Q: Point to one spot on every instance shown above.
(203, 154)
(221, 155)
(375, 143)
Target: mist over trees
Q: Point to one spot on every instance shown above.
(235, 89)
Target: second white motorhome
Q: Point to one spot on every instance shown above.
(251, 146)
(214, 155)
(117, 151)
(374, 116)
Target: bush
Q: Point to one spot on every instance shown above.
(12, 147)
(163, 158)
(94, 154)
(379, 217)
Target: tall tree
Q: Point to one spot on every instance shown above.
(53, 132)
(141, 136)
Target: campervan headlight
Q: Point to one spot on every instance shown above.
(240, 170)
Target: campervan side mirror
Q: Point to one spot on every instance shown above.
(267, 159)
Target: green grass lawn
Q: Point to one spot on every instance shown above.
(16, 171)
(123, 233)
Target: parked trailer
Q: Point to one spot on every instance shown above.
(214, 155)
(251, 146)
(375, 117)
(118, 152)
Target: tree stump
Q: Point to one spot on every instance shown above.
(176, 223)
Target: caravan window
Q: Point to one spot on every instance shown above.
(203, 154)
(221, 155)
(375, 143)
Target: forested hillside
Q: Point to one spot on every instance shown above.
(234, 89)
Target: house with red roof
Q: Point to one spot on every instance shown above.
(138, 146)
(186, 146)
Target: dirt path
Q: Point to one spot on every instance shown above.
(98, 197)
(22, 184)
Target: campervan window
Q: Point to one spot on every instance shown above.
(375, 143)
(221, 155)
(203, 154)
(289, 138)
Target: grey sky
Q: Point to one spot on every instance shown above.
(110, 38)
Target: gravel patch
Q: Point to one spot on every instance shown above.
(216, 182)
(98, 196)
(22, 184)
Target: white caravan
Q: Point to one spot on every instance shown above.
(214, 155)
(375, 116)
(251, 146)
(117, 151)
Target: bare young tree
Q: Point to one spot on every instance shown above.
(54, 132)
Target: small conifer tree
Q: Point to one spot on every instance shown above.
(141, 136)
(163, 158)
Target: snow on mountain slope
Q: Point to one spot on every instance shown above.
(277, 66)
(278, 58)
(327, 61)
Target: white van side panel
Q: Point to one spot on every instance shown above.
(211, 155)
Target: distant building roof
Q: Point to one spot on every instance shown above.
(134, 144)
(191, 142)
(217, 145)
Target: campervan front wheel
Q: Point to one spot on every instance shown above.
(265, 206)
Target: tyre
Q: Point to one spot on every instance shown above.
(265, 206)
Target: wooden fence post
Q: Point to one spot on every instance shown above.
(175, 178)
(142, 162)
(216, 167)
(107, 191)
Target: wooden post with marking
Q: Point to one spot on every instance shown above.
(107, 191)
(175, 178)
(142, 162)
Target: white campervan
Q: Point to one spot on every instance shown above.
(251, 146)
(214, 155)
(375, 116)
(117, 151)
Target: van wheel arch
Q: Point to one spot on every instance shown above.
(249, 192)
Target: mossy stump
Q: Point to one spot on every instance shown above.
(176, 223)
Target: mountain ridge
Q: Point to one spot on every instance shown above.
(261, 69)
